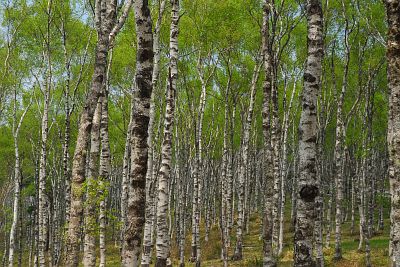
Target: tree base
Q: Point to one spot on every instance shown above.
(237, 257)
(161, 262)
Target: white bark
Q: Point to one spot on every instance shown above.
(268, 255)
(105, 21)
(90, 220)
(150, 181)
(339, 150)
(17, 180)
(393, 58)
(238, 254)
(284, 170)
(134, 224)
(163, 238)
(308, 188)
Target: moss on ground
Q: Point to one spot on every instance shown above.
(211, 249)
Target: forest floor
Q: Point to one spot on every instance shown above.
(252, 250)
(211, 250)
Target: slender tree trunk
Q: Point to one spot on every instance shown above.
(353, 203)
(276, 167)
(139, 149)
(284, 170)
(339, 150)
(224, 180)
(230, 172)
(89, 249)
(307, 187)
(20, 234)
(198, 169)
(393, 58)
(181, 200)
(43, 200)
(383, 173)
(17, 183)
(43, 203)
(238, 254)
(104, 173)
(103, 9)
(66, 144)
(163, 237)
(150, 181)
(268, 255)
(294, 180)
(125, 175)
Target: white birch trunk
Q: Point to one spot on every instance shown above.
(105, 167)
(132, 240)
(43, 200)
(163, 238)
(268, 255)
(150, 181)
(238, 254)
(90, 220)
(284, 170)
(393, 58)
(308, 188)
(17, 181)
(339, 151)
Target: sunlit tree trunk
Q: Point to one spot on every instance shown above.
(137, 180)
(43, 202)
(307, 187)
(275, 143)
(238, 254)
(224, 223)
(105, 167)
(103, 9)
(393, 58)
(90, 218)
(16, 126)
(125, 174)
(339, 151)
(150, 181)
(268, 255)
(284, 171)
(163, 237)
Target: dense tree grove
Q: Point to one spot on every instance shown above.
(199, 133)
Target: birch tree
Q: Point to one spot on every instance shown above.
(268, 256)
(107, 26)
(393, 58)
(339, 155)
(307, 188)
(90, 218)
(43, 198)
(238, 255)
(150, 181)
(105, 167)
(134, 224)
(198, 164)
(163, 240)
(17, 179)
